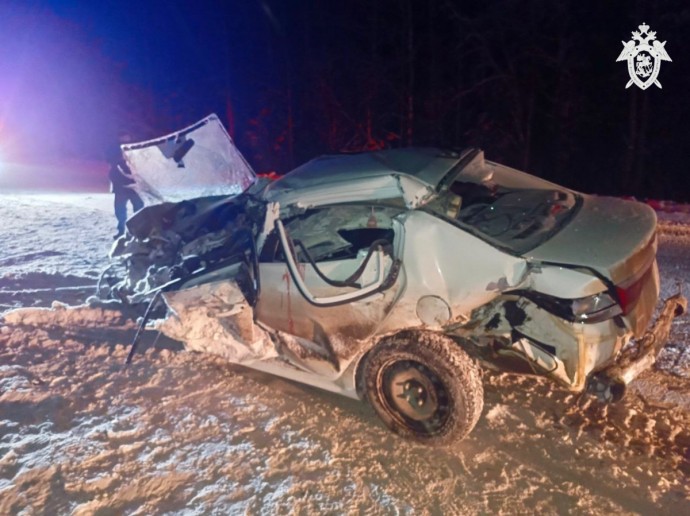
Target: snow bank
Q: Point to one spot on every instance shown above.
(62, 315)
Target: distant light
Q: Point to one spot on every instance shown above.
(5, 157)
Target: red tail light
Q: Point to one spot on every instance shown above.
(628, 295)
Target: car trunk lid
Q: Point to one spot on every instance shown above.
(613, 236)
(617, 239)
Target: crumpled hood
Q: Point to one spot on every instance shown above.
(613, 236)
(198, 161)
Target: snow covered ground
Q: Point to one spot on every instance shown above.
(177, 432)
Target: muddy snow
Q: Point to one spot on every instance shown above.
(177, 431)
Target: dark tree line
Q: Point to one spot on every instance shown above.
(536, 84)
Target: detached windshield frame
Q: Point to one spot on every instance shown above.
(509, 209)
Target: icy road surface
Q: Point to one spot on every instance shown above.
(182, 432)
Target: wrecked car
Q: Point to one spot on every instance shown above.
(387, 276)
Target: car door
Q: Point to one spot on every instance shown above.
(330, 276)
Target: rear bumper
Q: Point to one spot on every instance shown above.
(609, 384)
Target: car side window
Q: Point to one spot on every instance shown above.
(333, 233)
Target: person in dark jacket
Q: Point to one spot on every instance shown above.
(121, 180)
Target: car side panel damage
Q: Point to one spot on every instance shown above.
(379, 275)
(459, 284)
(338, 254)
(515, 334)
(214, 308)
(216, 318)
(458, 269)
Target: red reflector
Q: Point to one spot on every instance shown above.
(628, 296)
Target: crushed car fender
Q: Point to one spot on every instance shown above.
(216, 318)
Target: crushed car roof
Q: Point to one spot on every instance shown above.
(428, 165)
(411, 173)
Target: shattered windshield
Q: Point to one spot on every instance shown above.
(508, 209)
(198, 161)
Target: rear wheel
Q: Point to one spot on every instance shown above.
(424, 387)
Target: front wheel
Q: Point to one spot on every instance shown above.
(424, 387)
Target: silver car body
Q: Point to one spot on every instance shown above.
(533, 278)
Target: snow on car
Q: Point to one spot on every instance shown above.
(390, 276)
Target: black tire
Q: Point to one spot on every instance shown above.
(424, 387)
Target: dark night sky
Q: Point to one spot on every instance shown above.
(169, 59)
(533, 83)
(174, 46)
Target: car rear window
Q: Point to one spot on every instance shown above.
(511, 210)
